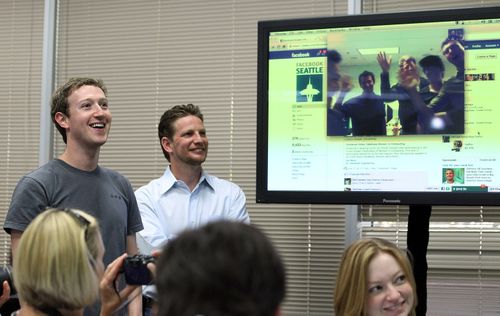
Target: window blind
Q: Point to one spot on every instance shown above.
(21, 35)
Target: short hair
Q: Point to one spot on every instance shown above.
(333, 56)
(351, 291)
(60, 98)
(167, 120)
(431, 61)
(366, 73)
(223, 268)
(54, 266)
(450, 169)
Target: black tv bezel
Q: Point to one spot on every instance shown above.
(263, 195)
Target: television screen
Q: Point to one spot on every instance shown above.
(396, 108)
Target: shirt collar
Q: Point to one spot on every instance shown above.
(168, 180)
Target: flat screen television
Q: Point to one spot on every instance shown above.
(394, 108)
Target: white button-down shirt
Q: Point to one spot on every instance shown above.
(168, 207)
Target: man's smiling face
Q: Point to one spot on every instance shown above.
(89, 118)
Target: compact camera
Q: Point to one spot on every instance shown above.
(136, 270)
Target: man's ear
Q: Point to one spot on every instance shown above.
(166, 145)
(61, 119)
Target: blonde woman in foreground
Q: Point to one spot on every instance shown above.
(375, 278)
(59, 270)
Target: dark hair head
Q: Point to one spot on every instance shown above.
(334, 56)
(60, 98)
(167, 120)
(223, 268)
(431, 61)
(366, 73)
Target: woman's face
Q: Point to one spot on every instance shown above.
(408, 64)
(389, 292)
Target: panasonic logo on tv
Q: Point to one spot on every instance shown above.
(391, 201)
(300, 54)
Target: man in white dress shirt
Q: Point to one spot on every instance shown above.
(185, 196)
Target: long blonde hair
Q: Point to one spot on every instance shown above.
(54, 265)
(351, 291)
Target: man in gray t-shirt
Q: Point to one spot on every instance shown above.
(81, 113)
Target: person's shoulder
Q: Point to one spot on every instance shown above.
(151, 186)
(162, 183)
(352, 101)
(43, 171)
(376, 97)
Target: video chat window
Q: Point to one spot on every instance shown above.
(351, 108)
(381, 85)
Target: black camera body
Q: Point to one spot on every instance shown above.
(136, 270)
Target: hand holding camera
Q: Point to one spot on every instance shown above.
(111, 299)
(136, 272)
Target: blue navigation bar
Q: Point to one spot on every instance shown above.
(306, 53)
(483, 44)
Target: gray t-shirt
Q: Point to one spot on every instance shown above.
(103, 193)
